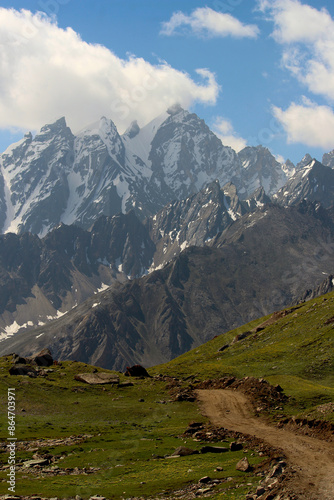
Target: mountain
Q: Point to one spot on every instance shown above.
(258, 167)
(313, 182)
(326, 286)
(262, 262)
(196, 220)
(41, 279)
(58, 177)
(328, 159)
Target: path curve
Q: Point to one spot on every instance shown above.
(312, 458)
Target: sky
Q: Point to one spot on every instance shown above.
(257, 71)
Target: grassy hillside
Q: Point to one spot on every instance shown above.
(295, 350)
(114, 441)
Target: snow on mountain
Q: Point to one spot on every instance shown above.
(138, 141)
(60, 177)
(289, 168)
(34, 171)
(186, 155)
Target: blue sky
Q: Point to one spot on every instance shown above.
(257, 71)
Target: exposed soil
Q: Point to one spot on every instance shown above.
(312, 459)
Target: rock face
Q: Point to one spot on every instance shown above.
(40, 279)
(240, 275)
(191, 222)
(58, 177)
(197, 220)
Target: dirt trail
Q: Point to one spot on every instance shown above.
(313, 459)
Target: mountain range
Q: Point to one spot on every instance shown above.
(57, 176)
(209, 238)
(262, 262)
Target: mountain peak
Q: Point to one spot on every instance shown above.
(175, 109)
(53, 129)
(57, 125)
(328, 159)
(132, 130)
(304, 161)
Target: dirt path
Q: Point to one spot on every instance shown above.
(313, 459)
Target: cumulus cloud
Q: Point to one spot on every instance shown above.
(224, 130)
(47, 72)
(206, 21)
(306, 35)
(308, 123)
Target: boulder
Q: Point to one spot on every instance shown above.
(182, 451)
(260, 490)
(39, 461)
(205, 480)
(97, 378)
(276, 471)
(22, 370)
(203, 491)
(18, 360)
(234, 446)
(223, 348)
(243, 465)
(136, 371)
(42, 358)
(241, 336)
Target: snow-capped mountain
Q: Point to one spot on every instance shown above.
(35, 175)
(313, 182)
(61, 177)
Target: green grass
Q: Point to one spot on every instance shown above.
(127, 436)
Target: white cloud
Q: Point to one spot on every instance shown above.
(224, 130)
(308, 123)
(296, 22)
(209, 22)
(47, 72)
(307, 36)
